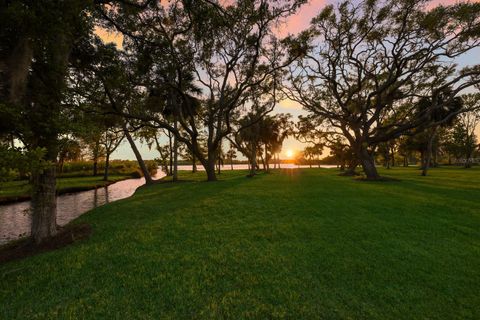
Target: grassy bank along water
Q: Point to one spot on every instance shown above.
(13, 191)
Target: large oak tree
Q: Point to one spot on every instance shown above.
(365, 63)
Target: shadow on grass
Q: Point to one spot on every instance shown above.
(349, 174)
(26, 247)
(379, 179)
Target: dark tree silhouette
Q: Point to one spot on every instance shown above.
(363, 63)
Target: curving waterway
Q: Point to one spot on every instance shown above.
(15, 218)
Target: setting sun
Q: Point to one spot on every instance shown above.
(290, 153)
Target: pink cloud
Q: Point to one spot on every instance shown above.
(301, 20)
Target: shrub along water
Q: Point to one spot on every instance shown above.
(77, 176)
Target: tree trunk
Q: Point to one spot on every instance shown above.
(422, 159)
(44, 205)
(163, 158)
(392, 156)
(95, 166)
(468, 163)
(231, 163)
(426, 163)
(175, 154)
(194, 163)
(267, 168)
(96, 155)
(279, 161)
(210, 168)
(386, 155)
(428, 158)
(352, 165)
(141, 163)
(60, 167)
(44, 200)
(107, 166)
(368, 164)
(170, 147)
(253, 160)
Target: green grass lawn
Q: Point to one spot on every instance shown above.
(304, 244)
(22, 188)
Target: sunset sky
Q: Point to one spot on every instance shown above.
(296, 23)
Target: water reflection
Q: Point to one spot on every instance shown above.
(15, 218)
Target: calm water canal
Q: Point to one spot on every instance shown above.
(15, 218)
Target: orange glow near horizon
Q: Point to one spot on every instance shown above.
(290, 153)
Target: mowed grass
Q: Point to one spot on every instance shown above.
(295, 244)
(22, 187)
